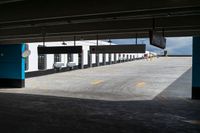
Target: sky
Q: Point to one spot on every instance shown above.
(175, 45)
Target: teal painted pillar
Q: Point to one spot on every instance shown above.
(196, 68)
(12, 66)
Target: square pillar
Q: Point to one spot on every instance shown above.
(70, 59)
(12, 66)
(110, 58)
(127, 58)
(196, 68)
(115, 58)
(123, 57)
(97, 59)
(119, 58)
(104, 59)
(89, 59)
(80, 61)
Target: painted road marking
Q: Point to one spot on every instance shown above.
(96, 82)
(140, 84)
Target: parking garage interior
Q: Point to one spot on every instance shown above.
(118, 91)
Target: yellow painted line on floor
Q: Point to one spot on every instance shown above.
(96, 82)
(140, 84)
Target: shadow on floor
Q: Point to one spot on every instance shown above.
(166, 113)
(181, 88)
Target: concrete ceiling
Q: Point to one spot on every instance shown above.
(31, 20)
(9, 1)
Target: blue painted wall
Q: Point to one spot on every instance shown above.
(196, 62)
(12, 64)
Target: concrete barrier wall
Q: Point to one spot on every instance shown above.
(33, 59)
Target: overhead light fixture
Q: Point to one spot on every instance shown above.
(110, 41)
(169, 15)
(64, 43)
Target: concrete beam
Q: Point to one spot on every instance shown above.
(42, 9)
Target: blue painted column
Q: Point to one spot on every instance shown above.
(196, 68)
(12, 66)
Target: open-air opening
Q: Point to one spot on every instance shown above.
(99, 66)
(114, 76)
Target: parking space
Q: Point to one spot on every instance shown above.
(136, 80)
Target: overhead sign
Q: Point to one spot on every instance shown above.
(60, 50)
(140, 48)
(157, 40)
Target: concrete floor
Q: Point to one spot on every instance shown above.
(138, 80)
(141, 96)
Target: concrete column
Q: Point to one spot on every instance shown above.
(196, 68)
(104, 59)
(80, 60)
(123, 57)
(69, 59)
(110, 58)
(115, 58)
(89, 59)
(127, 58)
(97, 59)
(119, 58)
(12, 66)
(133, 57)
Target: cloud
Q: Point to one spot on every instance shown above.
(179, 45)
